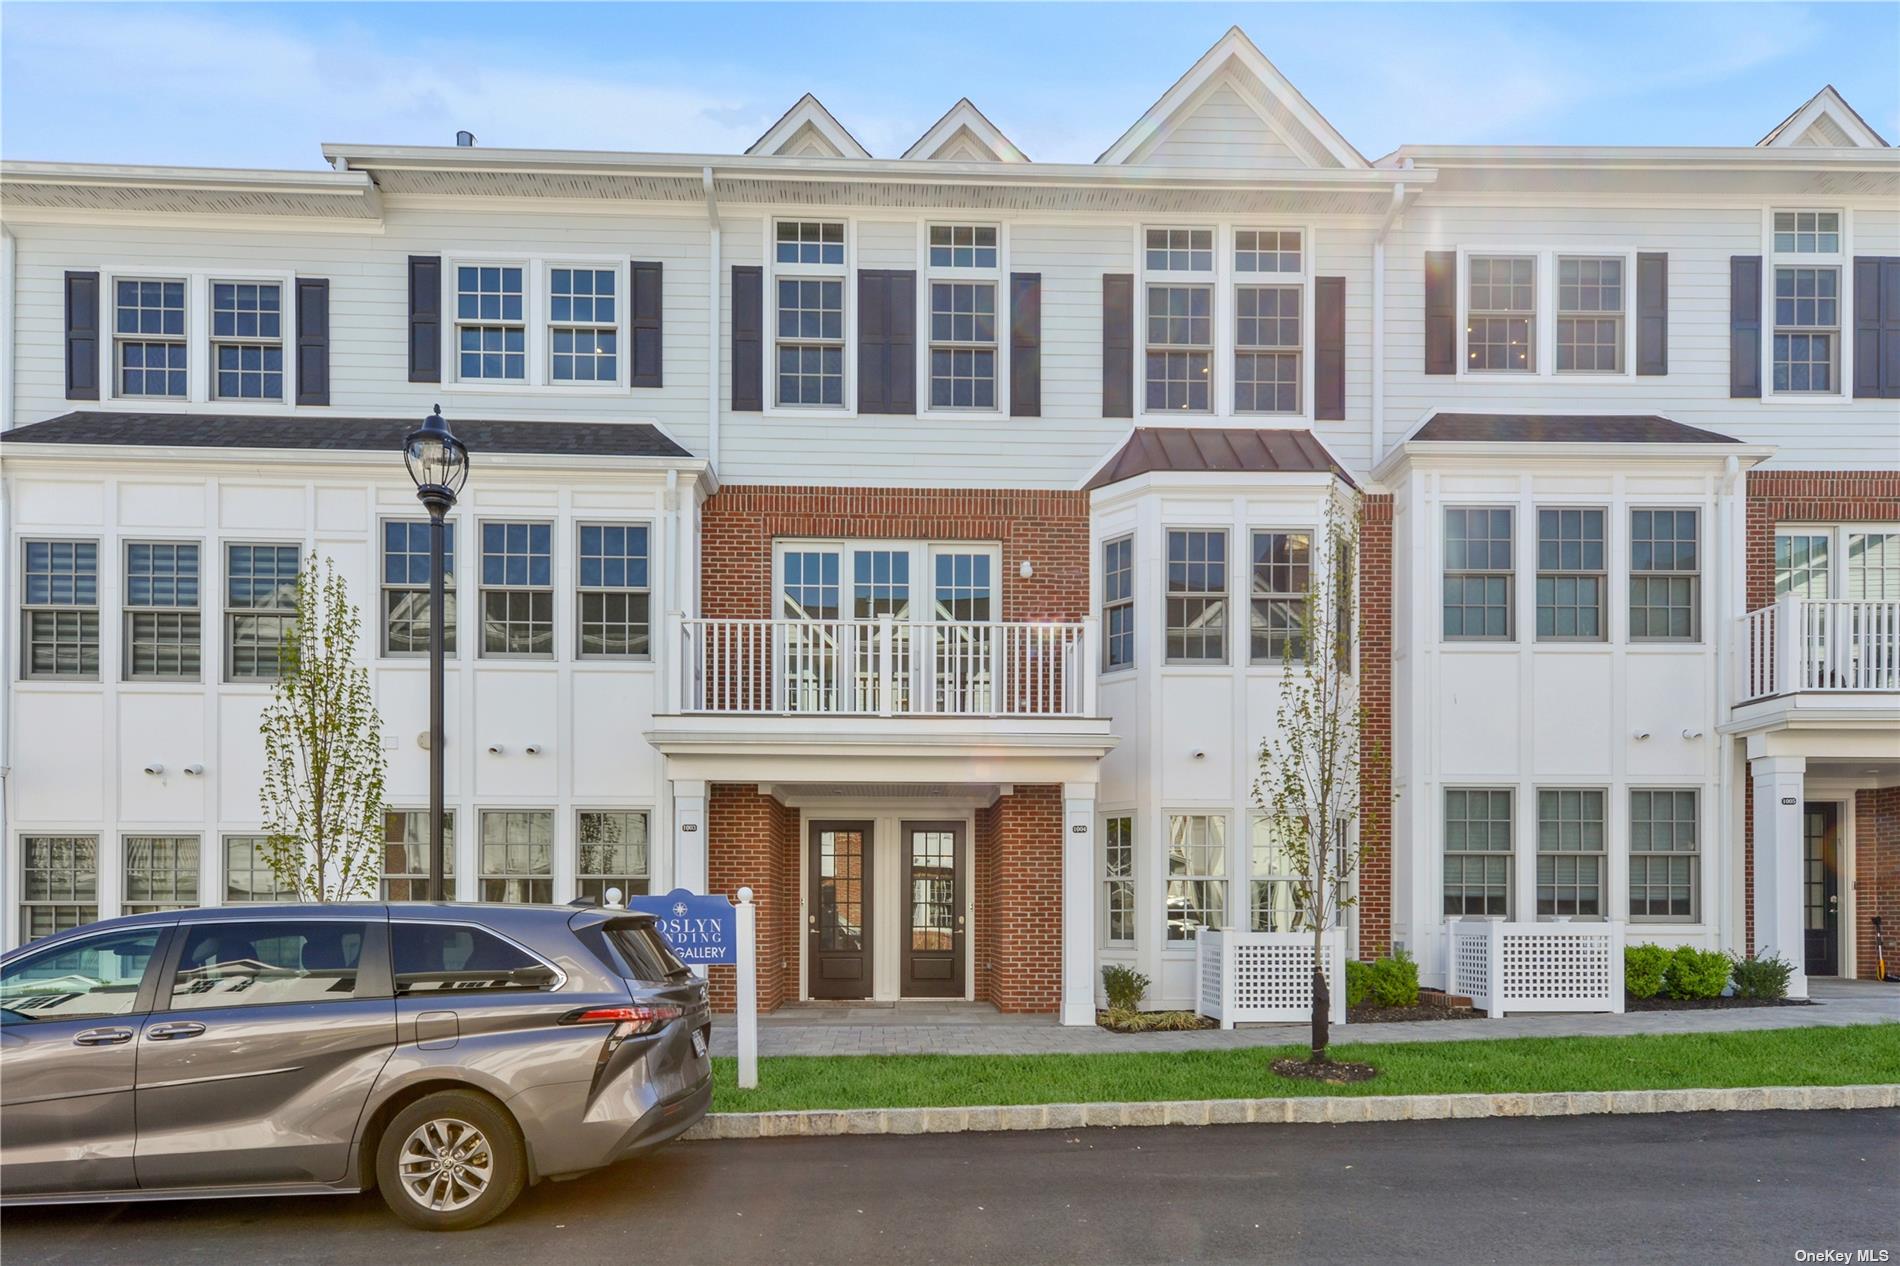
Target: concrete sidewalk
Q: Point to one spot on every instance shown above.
(964, 1028)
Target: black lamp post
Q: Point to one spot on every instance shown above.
(438, 462)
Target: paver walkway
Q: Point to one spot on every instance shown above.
(967, 1028)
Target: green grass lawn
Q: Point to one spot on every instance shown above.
(1784, 1057)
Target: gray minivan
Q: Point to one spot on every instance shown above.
(448, 1055)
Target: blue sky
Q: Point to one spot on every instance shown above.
(262, 85)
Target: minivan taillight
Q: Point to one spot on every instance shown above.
(636, 1020)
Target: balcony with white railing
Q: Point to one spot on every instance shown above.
(1831, 652)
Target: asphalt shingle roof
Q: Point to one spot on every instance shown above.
(367, 435)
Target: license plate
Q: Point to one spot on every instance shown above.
(699, 1042)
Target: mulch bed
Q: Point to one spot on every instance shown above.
(1367, 1013)
(1332, 1072)
(1155, 1022)
(1710, 1004)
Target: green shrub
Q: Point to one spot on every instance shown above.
(1694, 973)
(1395, 981)
(1760, 977)
(1124, 986)
(1643, 968)
(1358, 982)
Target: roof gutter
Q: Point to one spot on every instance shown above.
(712, 316)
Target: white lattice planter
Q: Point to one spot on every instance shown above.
(1505, 967)
(1254, 977)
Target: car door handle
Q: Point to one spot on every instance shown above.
(101, 1037)
(177, 1028)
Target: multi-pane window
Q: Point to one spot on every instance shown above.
(810, 242)
(1477, 851)
(149, 334)
(406, 854)
(260, 607)
(517, 856)
(491, 332)
(811, 589)
(1820, 562)
(1478, 572)
(1801, 564)
(60, 614)
(583, 325)
(810, 350)
(1570, 848)
(1501, 313)
(1267, 349)
(1118, 880)
(163, 627)
(517, 589)
(1118, 602)
(962, 246)
(1807, 330)
(612, 589)
(612, 854)
(406, 616)
(1282, 575)
(1570, 563)
(59, 883)
(1276, 867)
(1665, 575)
(1267, 251)
(1807, 232)
(1197, 596)
(1589, 314)
(1180, 348)
(161, 873)
(963, 590)
(247, 340)
(1873, 565)
(248, 876)
(1180, 250)
(962, 345)
(1197, 874)
(1664, 861)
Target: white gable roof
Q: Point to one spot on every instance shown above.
(1234, 108)
(1825, 120)
(965, 134)
(808, 130)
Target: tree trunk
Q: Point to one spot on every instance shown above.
(1322, 1011)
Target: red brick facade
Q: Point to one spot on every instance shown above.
(1876, 878)
(1018, 870)
(1375, 736)
(752, 840)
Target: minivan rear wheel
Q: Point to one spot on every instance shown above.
(451, 1161)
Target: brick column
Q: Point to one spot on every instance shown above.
(1876, 878)
(1375, 738)
(1018, 866)
(752, 840)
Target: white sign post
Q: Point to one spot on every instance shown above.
(748, 991)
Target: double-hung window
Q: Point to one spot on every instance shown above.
(583, 325)
(260, 608)
(517, 856)
(1276, 870)
(59, 883)
(1282, 577)
(517, 589)
(1590, 295)
(612, 854)
(406, 854)
(1570, 563)
(1118, 880)
(1808, 260)
(406, 615)
(1268, 369)
(1479, 573)
(1197, 596)
(1197, 874)
(1178, 271)
(1664, 854)
(1665, 576)
(1570, 853)
(161, 873)
(247, 340)
(248, 874)
(60, 616)
(963, 275)
(163, 628)
(809, 273)
(1478, 851)
(149, 338)
(491, 331)
(612, 590)
(1118, 603)
(1501, 314)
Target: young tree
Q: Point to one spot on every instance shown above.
(1310, 764)
(323, 752)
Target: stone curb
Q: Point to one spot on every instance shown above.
(1302, 1110)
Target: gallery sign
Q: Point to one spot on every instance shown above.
(701, 929)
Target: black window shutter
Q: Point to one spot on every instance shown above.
(1329, 349)
(1877, 327)
(1744, 327)
(1118, 345)
(748, 333)
(1441, 312)
(425, 318)
(313, 340)
(648, 295)
(1652, 314)
(887, 341)
(1025, 345)
(82, 336)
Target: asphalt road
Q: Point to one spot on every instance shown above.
(1716, 1188)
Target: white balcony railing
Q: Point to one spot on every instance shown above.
(888, 667)
(1830, 644)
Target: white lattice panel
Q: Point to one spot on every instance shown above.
(1265, 976)
(1210, 992)
(1471, 960)
(1553, 971)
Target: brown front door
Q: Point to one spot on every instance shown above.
(933, 904)
(838, 922)
(1821, 886)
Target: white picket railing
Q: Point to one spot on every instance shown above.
(1246, 977)
(1827, 644)
(888, 667)
(1535, 966)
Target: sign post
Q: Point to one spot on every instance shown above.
(748, 992)
(711, 929)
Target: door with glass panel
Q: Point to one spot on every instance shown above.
(1821, 887)
(967, 656)
(838, 916)
(880, 586)
(808, 656)
(1853, 575)
(932, 947)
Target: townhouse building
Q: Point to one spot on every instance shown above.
(916, 539)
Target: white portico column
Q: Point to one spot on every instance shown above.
(1078, 903)
(689, 835)
(1779, 906)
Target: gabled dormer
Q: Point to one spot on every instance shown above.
(1233, 109)
(965, 135)
(1824, 121)
(808, 130)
